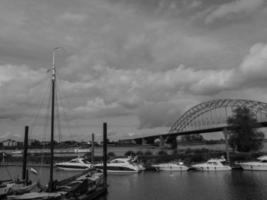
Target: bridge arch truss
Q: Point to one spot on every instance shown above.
(198, 114)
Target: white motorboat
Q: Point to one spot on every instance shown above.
(171, 166)
(121, 166)
(80, 150)
(76, 164)
(212, 165)
(17, 153)
(259, 165)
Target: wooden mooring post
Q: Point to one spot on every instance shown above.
(105, 152)
(24, 167)
(93, 149)
(226, 138)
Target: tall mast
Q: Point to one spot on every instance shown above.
(53, 80)
(24, 166)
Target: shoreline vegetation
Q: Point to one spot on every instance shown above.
(148, 157)
(36, 144)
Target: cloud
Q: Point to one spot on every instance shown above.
(146, 61)
(251, 72)
(152, 95)
(19, 84)
(73, 17)
(234, 10)
(136, 91)
(214, 82)
(161, 114)
(253, 68)
(5, 136)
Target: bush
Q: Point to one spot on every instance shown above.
(139, 153)
(111, 154)
(148, 153)
(129, 153)
(162, 153)
(188, 150)
(198, 158)
(175, 152)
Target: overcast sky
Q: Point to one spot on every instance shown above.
(136, 64)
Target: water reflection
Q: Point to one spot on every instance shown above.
(247, 185)
(42, 176)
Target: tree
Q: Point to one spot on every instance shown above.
(139, 153)
(192, 138)
(148, 153)
(111, 154)
(244, 136)
(162, 153)
(129, 153)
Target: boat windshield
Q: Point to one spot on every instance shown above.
(86, 161)
(117, 161)
(212, 163)
(224, 162)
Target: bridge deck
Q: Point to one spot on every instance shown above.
(150, 139)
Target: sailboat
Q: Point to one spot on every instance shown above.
(86, 185)
(18, 186)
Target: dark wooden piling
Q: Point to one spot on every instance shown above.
(24, 166)
(93, 148)
(105, 152)
(226, 134)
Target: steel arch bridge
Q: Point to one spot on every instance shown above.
(215, 113)
(210, 116)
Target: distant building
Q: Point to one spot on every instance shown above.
(9, 143)
(45, 143)
(34, 142)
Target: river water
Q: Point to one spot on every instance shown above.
(235, 185)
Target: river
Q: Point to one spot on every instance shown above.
(235, 185)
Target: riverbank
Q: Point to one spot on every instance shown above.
(148, 157)
(121, 150)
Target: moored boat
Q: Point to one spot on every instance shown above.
(171, 166)
(212, 165)
(82, 185)
(16, 153)
(121, 166)
(23, 185)
(14, 187)
(259, 165)
(76, 164)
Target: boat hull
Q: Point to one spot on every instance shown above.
(76, 164)
(72, 169)
(117, 172)
(211, 168)
(171, 167)
(119, 169)
(87, 185)
(253, 166)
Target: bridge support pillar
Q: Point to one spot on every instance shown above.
(162, 142)
(144, 141)
(226, 138)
